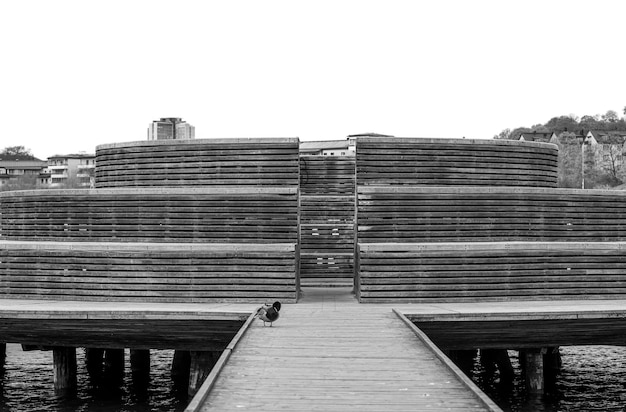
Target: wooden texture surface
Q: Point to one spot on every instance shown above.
(327, 175)
(329, 353)
(455, 162)
(514, 325)
(95, 244)
(491, 271)
(210, 214)
(272, 162)
(327, 220)
(121, 324)
(426, 214)
(153, 272)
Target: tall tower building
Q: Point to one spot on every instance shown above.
(170, 128)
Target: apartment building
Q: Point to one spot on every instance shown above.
(72, 170)
(170, 128)
(14, 168)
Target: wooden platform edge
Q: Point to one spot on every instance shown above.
(484, 399)
(206, 141)
(198, 400)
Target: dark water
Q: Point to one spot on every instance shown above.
(27, 386)
(592, 378)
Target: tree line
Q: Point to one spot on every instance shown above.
(610, 121)
(594, 168)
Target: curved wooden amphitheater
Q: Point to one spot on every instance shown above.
(198, 162)
(455, 162)
(210, 220)
(473, 242)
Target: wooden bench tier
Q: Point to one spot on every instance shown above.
(150, 272)
(199, 214)
(327, 175)
(469, 272)
(463, 214)
(455, 162)
(246, 161)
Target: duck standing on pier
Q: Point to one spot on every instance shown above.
(269, 313)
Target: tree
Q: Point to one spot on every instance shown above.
(503, 135)
(610, 116)
(516, 132)
(562, 124)
(16, 151)
(569, 171)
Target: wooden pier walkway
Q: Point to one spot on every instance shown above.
(328, 353)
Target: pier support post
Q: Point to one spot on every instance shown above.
(64, 366)
(201, 364)
(94, 358)
(140, 367)
(114, 366)
(552, 365)
(534, 370)
(180, 365)
(502, 359)
(3, 355)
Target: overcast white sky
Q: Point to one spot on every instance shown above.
(75, 74)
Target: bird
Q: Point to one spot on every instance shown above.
(269, 313)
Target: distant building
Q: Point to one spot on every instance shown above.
(16, 167)
(72, 170)
(168, 128)
(542, 137)
(327, 148)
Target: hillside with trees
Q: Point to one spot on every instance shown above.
(604, 163)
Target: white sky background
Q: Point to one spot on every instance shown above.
(76, 74)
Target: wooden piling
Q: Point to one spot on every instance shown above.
(3, 355)
(180, 366)
(200, 366)
(114, 366)
(94, 358)
(140, 364)
(503, 361)
(64, 366)
(552, 365)
(535, 382)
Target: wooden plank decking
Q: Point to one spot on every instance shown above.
(330, 353)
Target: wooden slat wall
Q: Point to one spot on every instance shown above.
(266, 162)
(455, 162)
(422, 244)
(327, 175)
(327, 220)
(147, 272)
(463, 272)
(465, 214)
(218, 215)
(502, 232)
(227, 231)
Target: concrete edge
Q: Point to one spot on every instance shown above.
(207, 190)
(588, 194)
(480, 395)
(206, 141)
(449, 140)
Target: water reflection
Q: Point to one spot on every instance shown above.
(27, 385)
(592, 378)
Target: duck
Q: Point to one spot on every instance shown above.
(269, 313)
